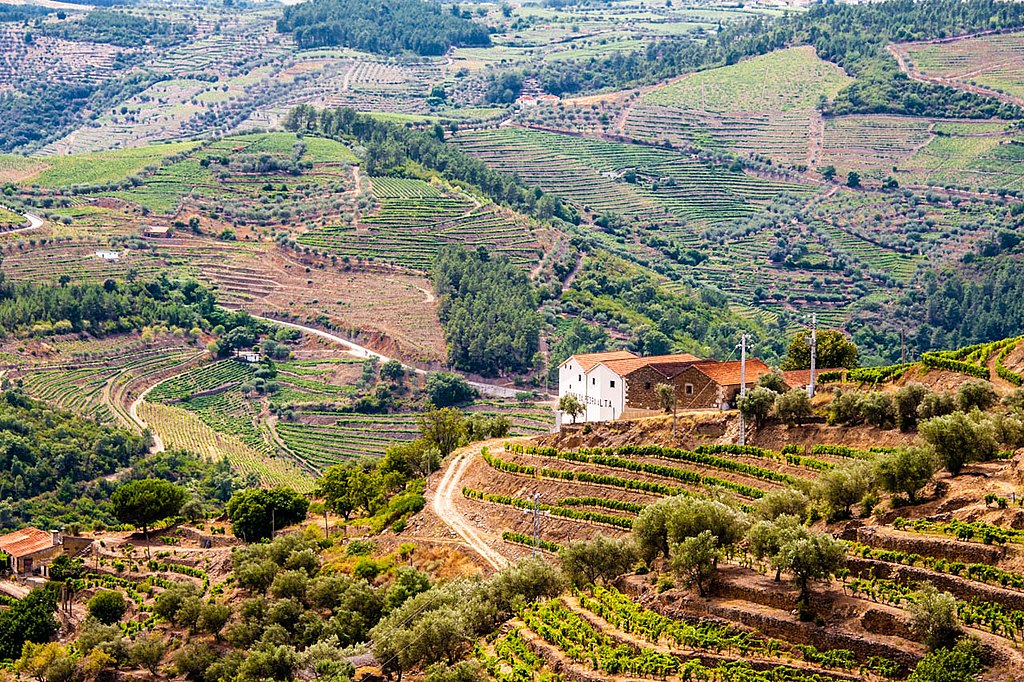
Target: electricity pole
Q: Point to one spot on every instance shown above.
(814, 352)
(743, 385)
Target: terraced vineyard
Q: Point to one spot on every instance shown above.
(994, 62)
(588, 490)
(97, 378)
(181, 428)
(763, 106)
(668, 186)
(983, 156)
(415, 219)
(322, 437)
(872, 145)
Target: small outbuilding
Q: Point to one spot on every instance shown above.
(30, 549)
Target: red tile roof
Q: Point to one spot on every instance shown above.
(590, 360)
(728, 373)
(798, 378)
(668, 365)
(25, 541)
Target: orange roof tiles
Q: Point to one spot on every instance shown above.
(669, 365)
(590, 360)
(25, 541)
(798, 378)
(728, 373)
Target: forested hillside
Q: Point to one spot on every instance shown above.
(852, 36)
(381, 26)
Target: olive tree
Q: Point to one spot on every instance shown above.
(905, 471)
(586, 562)
(695, 559)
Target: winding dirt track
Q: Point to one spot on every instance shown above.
(443, 505)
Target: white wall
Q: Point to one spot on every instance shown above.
(601, 391)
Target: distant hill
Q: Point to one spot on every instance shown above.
(384, 26)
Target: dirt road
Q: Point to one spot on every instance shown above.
(133, 412)
(443, 505)
(364, 352)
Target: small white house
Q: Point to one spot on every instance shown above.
(109, 256)
(598, 388)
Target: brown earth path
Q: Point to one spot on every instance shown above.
(443, 505)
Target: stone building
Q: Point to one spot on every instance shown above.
(30, 549)
(620, 384)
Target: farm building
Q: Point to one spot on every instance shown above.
(620, 384)
(30, 549)
(109, 256)
(157, 231)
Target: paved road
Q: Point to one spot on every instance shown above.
(443, 505)
(34, 223)
(364, 352)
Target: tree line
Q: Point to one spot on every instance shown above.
(852, 36)
(392, 149)
(381, 26)
(488, 309)
(119, 28)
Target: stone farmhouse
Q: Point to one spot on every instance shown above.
(30, 549)
(622, 385)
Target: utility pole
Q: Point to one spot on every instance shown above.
(743, 385)
(814, 352)
(903, 347)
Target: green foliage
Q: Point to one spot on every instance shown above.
(834, 350)
(390, 147)
(959, 438)
(673, 519)
(600, 559)
(793, 405)
(980, 395)
(841, 488)
(905, 471)
(811, 557)
(878, 409)
(571, 405)
(443, 429)
(107, 606)
(439, 625)
(27, 620)
(937, 361)
(446, 389)
(696, 559)
(933, 617)
(906, 402)
(962, 663)
(775, 382)
(757, 405)
(383, 26)
(143, 502)
(488, 311)
(121, 29)
(46, 450)
(635, 297)
(579, 337)
(255, 513)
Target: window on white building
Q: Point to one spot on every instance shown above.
(612, 382)
(593, 381)
(579, 377)
(689, 389)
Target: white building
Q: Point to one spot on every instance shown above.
(599, 389)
